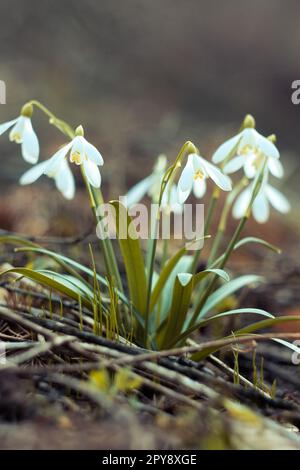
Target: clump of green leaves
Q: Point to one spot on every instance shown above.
(160, 304)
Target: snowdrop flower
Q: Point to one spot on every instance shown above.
(170, 201)
(194, 176)
(22, 133)
(261, 206)
(149, 185)
(61, 174)
(157, 176)
(252, 149)
(81, 153)
(84, 153)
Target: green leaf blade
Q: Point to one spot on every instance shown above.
(132, 256)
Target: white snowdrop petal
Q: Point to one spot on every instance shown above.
(64, 181)
(16, 133)
(170, 201)
(33, 174)
(199, 188)
(183, 195)
(173, 195)
(196, 161)
(139, 190)
(234, 165)
(54, 162)
(161, 164)
(249, 138)
(78, 150)
(30, 143)
(165, 200)
(249, 168)
(261, 208)
(241, 204)
(186, 178)
(221, 180)
(277, 199)
(92, 173)
(93, 154)
(275, 167)
(6, 125)
(267, 147)
(175, 206)
(225, 149)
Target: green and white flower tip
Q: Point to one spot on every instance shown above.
(22, 133)
(194, 176)
(267, 195)
(250, 149)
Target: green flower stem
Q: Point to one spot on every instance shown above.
(187, 148)
(95, 197)
(166, 241)
(108, 251)
(152, 247)
(216, 243)
(213, 281)
(63, 126)
(223, 219)
(165, 250)
(230, 246)
(211, 209)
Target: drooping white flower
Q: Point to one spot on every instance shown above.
(151, 186)
(157, 176)
(22, 133)
(84, 153)
(170, 201)
(81, 153)
(194, 175)
(267, 195)
(251, 150)
(61, 174)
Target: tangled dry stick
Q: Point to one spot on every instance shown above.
(60, 354)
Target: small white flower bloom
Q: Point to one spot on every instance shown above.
(61, 174)
(22, 133)
(84, 153)
(81, 153)
(261, 205)
(170, 201)
(252, 149)
(151, 186)
(194, 175)
(157, 176)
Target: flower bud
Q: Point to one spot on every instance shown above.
(27, 110)
(272, 138)
(191, 148)
(79, 132)
(249, 122)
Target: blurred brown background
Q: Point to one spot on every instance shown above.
(144, 76)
